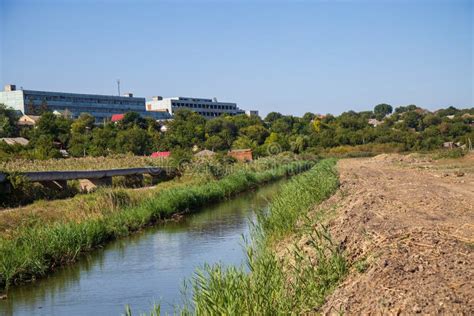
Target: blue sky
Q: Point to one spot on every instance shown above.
(286, 56)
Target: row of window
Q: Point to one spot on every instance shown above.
(87, 109)
(81, 100)
(205, 106)
(212, 114)
(104, 107)
(99, 114)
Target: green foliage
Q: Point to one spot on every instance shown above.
(450, 153)
(382, 110)
(274, 286)
(134, 140)
(244, 142)
(409, 127)
(215, 143)
(44, 148)
(8, 119)
(22, 191)
(255, 133)
(180, 158)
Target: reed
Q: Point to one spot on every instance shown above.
(296, 283)
(34, 251)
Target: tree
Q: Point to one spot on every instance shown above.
(223, 127)
(186, 130)
(412, 119)
(242, 120)
(308, 117)
(282, 125)
(299, 144)
(382, 110)
(44, 148)
(103, 141)
(316, 125)
(79, 144)
(57, 127)
(256, 133)
(215, 143)
(272, 116)
(8, 119)
(132, 119)
(276, 143)
(81, 135)
(135, 141)
(83, 124)
(403, 109)
(244, 142)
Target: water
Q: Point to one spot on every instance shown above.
(145, 268)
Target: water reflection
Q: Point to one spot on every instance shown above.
(144, 268)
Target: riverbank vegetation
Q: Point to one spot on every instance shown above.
(38, 245)
(276, 284)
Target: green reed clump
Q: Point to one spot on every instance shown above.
(295, 284)
(36, 250)
(297, 196)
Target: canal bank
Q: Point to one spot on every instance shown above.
(145, 268)
(34, 252)
(283, 276)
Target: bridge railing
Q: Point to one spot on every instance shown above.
(93, 177)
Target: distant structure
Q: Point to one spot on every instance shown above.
(15, 141)
(27, 120)
(102, 107)
(205, 153)
(251, 112)
(241, 154)
(209, 108)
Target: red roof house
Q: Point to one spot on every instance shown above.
(161, 154)
(117, 117)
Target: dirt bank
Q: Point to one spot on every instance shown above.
(407, 226)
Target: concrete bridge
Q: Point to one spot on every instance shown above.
(88, 179)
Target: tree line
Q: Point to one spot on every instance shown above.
(405, 127)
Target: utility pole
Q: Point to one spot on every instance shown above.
(118, 86)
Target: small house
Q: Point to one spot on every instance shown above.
(374, 122)
(241, 154)
(205, 153)
(449, 145)
(28, 120)
(117, 118)
(15, 140)
(160, 154)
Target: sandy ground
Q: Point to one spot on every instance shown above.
(406, 225)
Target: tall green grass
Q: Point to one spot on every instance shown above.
(35, 251)
(278, 285)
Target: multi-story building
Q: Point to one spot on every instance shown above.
(205, 107)
(102, 107)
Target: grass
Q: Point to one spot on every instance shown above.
(82, 207)
(85, 163)
(33, 251)
(272, 284)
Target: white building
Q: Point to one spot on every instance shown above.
(102, 107)
(251, 112)
(205, 107)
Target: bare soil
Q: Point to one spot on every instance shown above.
(406, 224)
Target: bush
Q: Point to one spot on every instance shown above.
(450, 153)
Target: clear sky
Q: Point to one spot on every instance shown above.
(286, 56)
